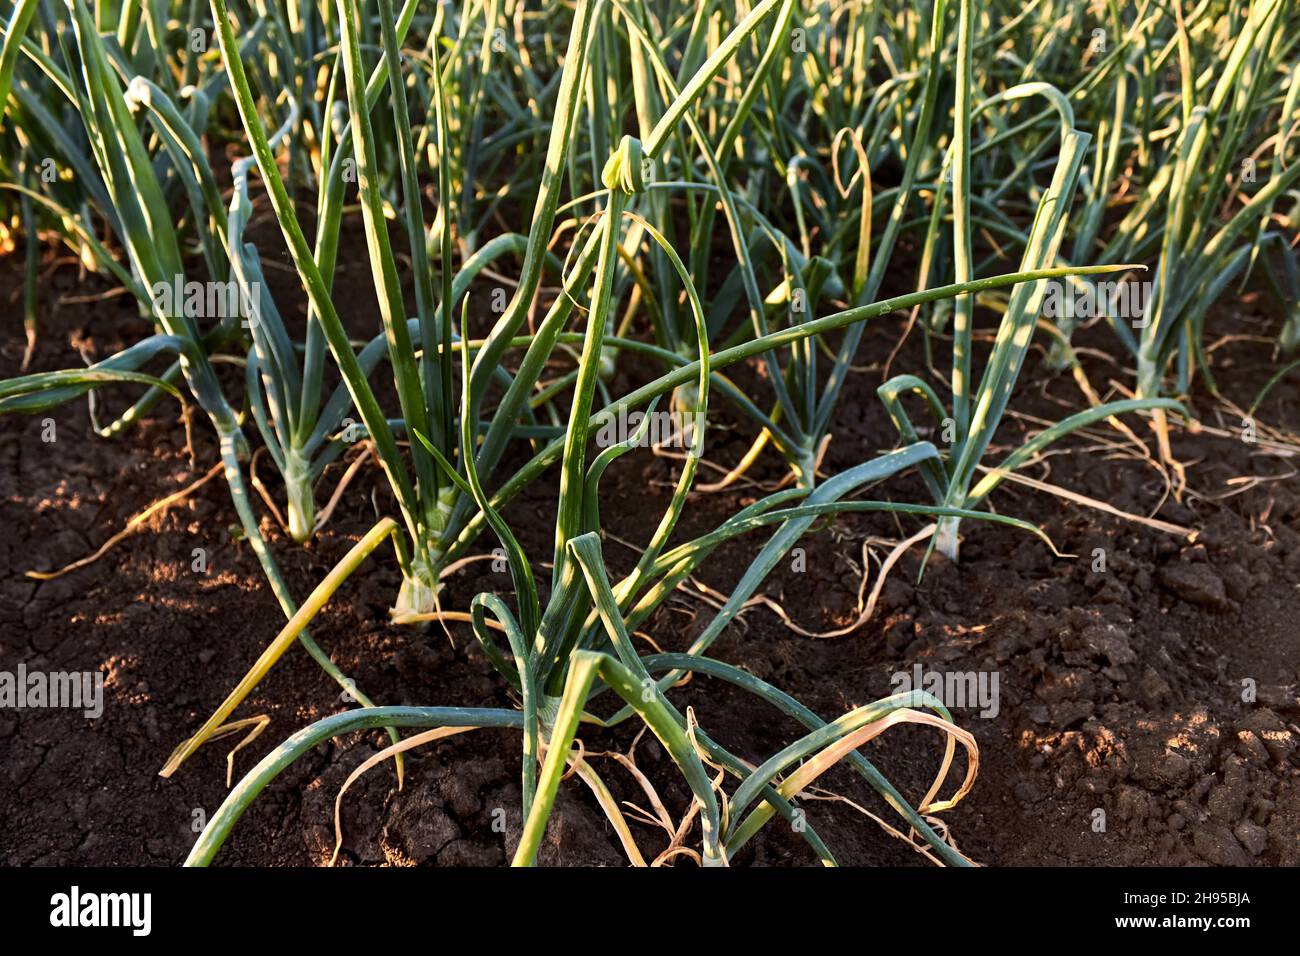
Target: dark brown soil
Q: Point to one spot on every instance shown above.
(1120, 690)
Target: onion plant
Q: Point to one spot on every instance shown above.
(810, 144)
(135, 194)
(561, 655)
(566, 629)
(1199, 256)
(976, 412)
(836, 251)
(777, 278)
(850, 261)
(1195, 112)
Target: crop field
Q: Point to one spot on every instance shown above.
(760, 433)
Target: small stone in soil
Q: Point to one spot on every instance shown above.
(1195, 584)
(1253, 838)
(1216, 844)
